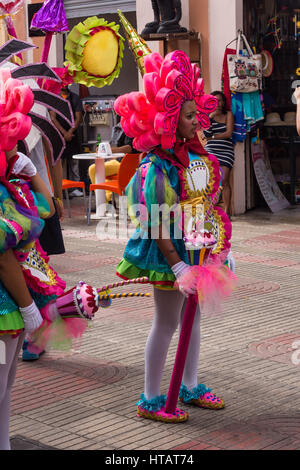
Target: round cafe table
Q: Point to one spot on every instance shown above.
(99, 178)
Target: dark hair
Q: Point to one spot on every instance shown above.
(215, 93)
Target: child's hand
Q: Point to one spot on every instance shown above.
(31, 317)
(185, 280)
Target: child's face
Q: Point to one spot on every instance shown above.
(188, 122)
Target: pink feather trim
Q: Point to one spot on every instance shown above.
(58, 334)
(16, 100)
(214, 282)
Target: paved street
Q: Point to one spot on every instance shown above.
(85, 399)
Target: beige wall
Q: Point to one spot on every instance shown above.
(225, 18)
(199, 22)
(19, 23)
(144, 14)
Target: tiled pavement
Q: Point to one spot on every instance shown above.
(85, 399)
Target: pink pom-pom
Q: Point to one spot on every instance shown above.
(166, 68)
(14, 127)
(137, 146)
(125, 123)
(196, 72)
(16, 100)
(168, 101)
(135, 101)
(23, 98)
(159, 122)
(148, 140)
(152, 62)
(199, 88)
(171, 78)
(121, 106)
(137, 125)
(168, 141)
(152, 85)
(208, 103)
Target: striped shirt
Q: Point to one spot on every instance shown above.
(221, 148)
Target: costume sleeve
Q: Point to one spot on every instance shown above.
(10, 234)
(19, 225)
(42, 205)
(150, 195)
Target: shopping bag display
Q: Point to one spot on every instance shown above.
(245, 72)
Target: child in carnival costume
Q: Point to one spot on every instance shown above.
(27, 282)
(175, 172)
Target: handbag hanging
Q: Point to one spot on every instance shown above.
(245, 72)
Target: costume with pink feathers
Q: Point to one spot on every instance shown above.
(173, 172)
(176, 188)
(21, 214)
(65, 314)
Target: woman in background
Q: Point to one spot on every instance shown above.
(219, 143)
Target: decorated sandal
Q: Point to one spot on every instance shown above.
(201, 396)
(155, 409)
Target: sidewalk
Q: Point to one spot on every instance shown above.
(85, 399)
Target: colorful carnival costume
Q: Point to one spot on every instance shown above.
(174, 174)
(21, 224)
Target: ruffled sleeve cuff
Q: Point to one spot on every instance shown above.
(10, 234)
(42, 205)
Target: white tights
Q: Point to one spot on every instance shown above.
(7, 377)
(169, 310)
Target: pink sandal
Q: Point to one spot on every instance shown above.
(155, 409)
(202, 397)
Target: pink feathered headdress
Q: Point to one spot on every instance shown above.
(16, 100)
(151, 118)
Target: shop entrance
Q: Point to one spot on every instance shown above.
(272, 28)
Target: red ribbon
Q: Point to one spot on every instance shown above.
(181, 150)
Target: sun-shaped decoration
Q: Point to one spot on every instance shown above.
(94, 52)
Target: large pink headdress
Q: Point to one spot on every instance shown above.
(151, 118)
(16, 100)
